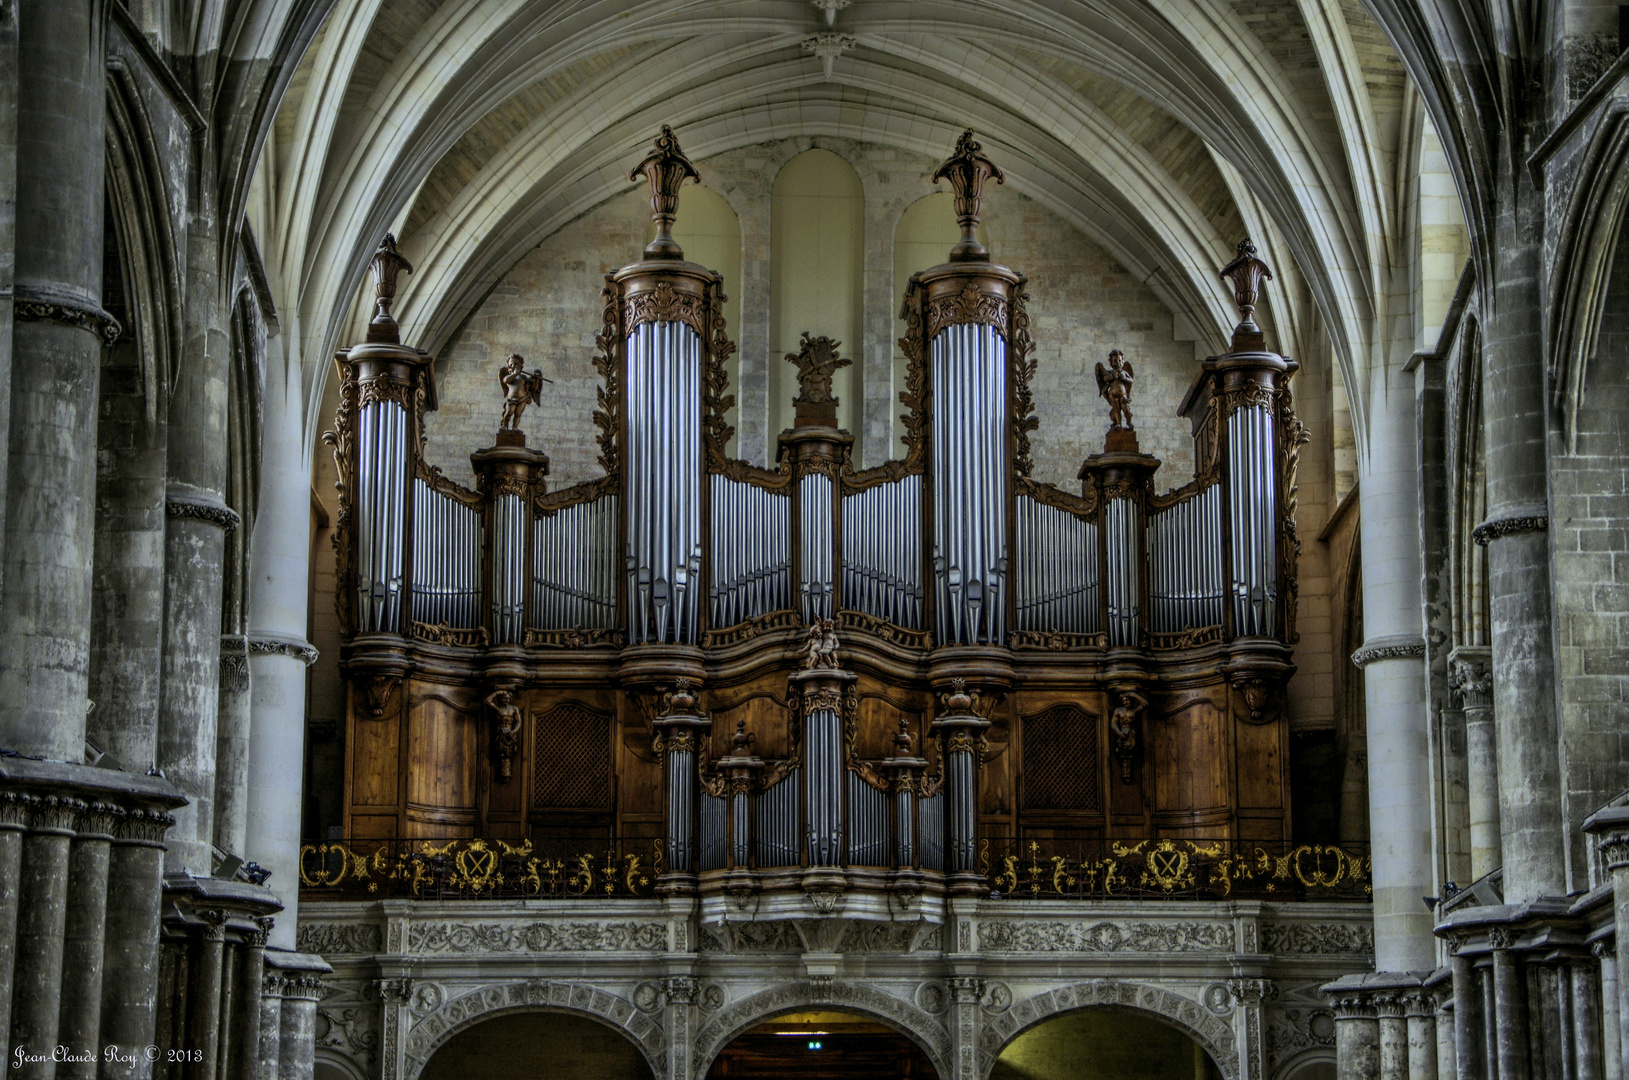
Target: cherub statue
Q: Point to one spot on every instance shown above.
(520, 389)
(1123, 729)
(820, 645)
(1114, 383)
(507, 737)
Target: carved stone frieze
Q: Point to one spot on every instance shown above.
(30, 306)
(1105, 937)
(1494, 528)
(1290, 1031)
(349, 1031)
(1328, 939)
(334, 939)
(538, 937)
(1388, 650)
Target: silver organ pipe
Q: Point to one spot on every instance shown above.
(1185, 563)
(1055, 577)
(751, 557)
(663, 407)
(930, 812)
(823, 814)
(882, 554)
(573, 566)
(447, 541)
(867, 823)
(969, 380)
(815, 545)
(711, 832)
(1120, 525)
(775, 824)
(382, 513)
(1253, 520)
(509, 514)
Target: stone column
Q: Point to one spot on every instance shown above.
(678, 1018)
(130, 957)
(1515, 431)
(299, 1025)
(278, 652)
(42, 904)
(1510, 1009)
(1393, 662)
(1472, 680)
(1469, 1019)
(251, 982)
(394, 995)
(56, 345)
(1388, 1010)
(1610, 827)
(1447, 1044)
(14, 815)
(1248, 994)
(1357, 1038)
(79, 1026)
(232, 746)
(1420, 1018)
(269, 1047)
(1586, 1017)
(1611, 1021)
(965, 994)
(204, 1004)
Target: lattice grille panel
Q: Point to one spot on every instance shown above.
(1060, 760)
(572, 759)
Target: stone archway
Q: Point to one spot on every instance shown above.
(432, 1032)
(912, 1022)
(1191, 1018)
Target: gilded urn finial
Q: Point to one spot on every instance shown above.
(666, 168)
(967, 170)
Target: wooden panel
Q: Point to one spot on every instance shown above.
(374, 752)
(1261, 765)
(441, 752)
(1189, 741)
(765, 717)
(373, 826)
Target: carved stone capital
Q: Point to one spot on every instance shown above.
(1252, 991)
(680, 989)
(395, 991)
(1499, 938)
(966, 989)
(1470, 677)
(1614, 848)
(295, 649)
(214, 925)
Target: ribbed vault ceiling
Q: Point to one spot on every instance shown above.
(1162, 129)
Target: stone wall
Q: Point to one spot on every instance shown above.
(1082, 305)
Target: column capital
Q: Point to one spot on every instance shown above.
(1470, 676)
(1610, 828)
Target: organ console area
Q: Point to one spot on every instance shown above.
(813, 678)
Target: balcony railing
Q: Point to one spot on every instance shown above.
(480, 869)
(1171, 869)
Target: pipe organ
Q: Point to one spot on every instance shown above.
(811, 677)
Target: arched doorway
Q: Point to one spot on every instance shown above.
(534, 1045)
(816, 1045)
(1103, 1044)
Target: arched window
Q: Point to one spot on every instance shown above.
(817, 264)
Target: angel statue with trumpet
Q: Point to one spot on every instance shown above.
(520, 389)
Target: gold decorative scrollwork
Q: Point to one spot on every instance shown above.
(578, 637)
(547, 504)
(1083, 507)
(752, 628)
(1172, 868)
(1193, 488)
(384, 389)
(1055, 641)
(1187, 638)
(664, 303)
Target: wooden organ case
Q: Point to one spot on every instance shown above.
(812, 677)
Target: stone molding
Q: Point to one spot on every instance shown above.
(1317, 939)
(1102, 937)
(275, 645)
(32, 305)
(439, 938)
(1535, 519)
(201, 508)
(1400, 647)
(430, 1033)
(1185, 1014)
(234, 676)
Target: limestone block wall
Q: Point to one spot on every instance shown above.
(1082, 304)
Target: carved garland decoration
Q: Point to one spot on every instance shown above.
(1083, 507)
(93, 320)
(664, 303)
(342, 441)
(971, 305)
(1488, 531)
(1291, 439)
(193, 510)
(1021, 357)
(382, 389)
(1369, 654)
(608, 395)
